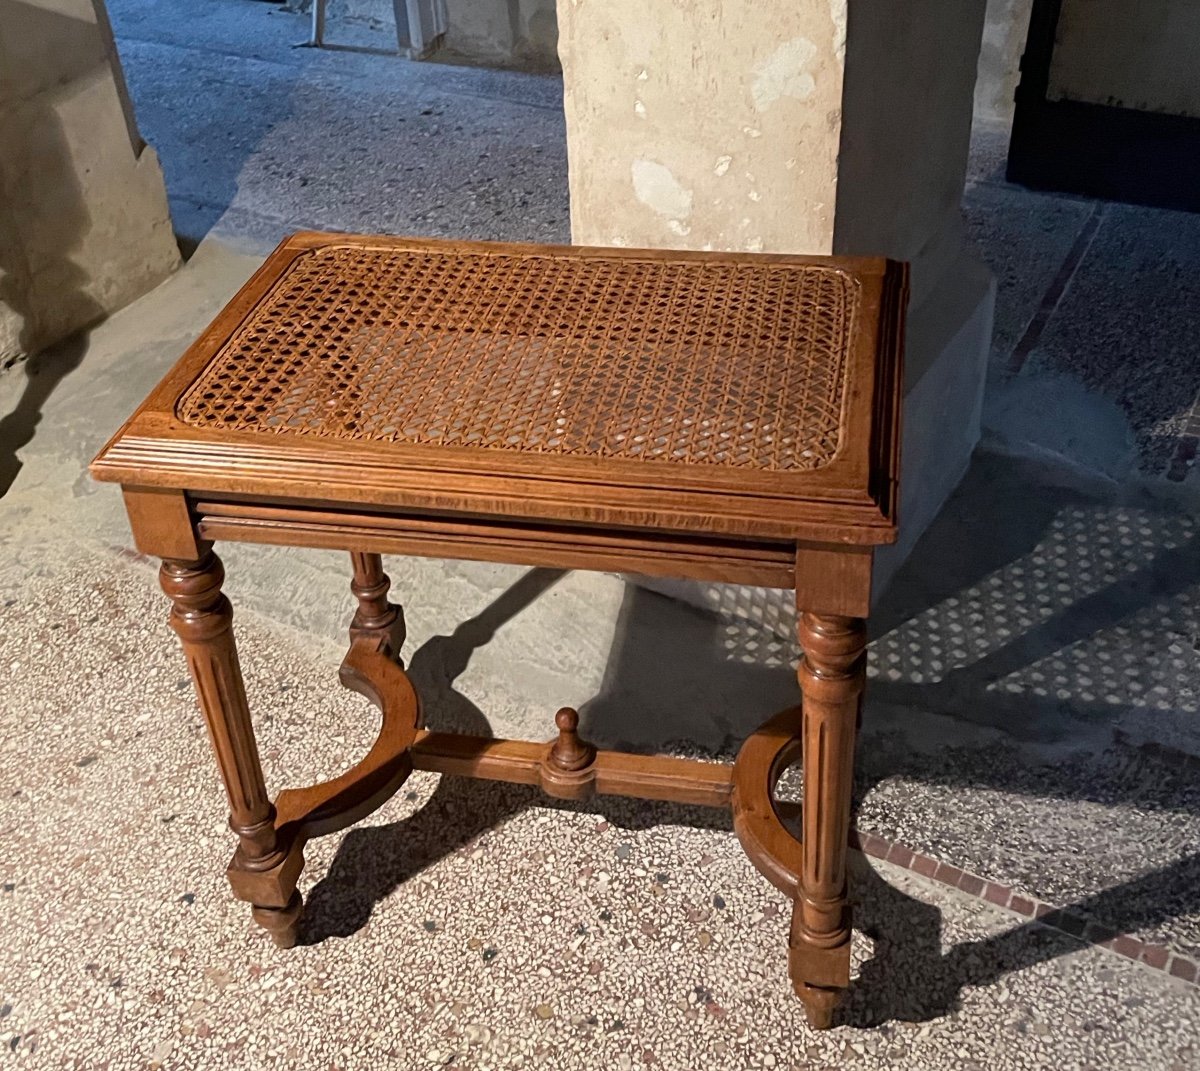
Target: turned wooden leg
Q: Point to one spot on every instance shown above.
(376, 620)
(831, 675)
(202, 616)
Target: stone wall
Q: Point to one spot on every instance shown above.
(905, 133)
(1144, 56)
(1004, 32)
(84, 224)
(1141, 56)
(497, 33)
(504, 33)
(524, 34)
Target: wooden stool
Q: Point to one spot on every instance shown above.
(719, 417)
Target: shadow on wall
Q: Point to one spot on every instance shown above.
(43, 219)
(985, 600)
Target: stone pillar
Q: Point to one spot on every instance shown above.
(805, 126)
(84, 224)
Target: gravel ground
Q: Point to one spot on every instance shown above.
(465, 924)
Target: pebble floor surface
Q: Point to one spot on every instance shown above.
(465, 924)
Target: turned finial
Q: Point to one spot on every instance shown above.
(569, 752)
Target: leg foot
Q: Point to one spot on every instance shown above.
(819, 975)
(819, 1005)
(282, 923)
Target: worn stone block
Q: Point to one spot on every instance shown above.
(84, 227)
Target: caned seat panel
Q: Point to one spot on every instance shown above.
(679, 362)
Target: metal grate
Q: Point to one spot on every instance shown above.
(686, 361)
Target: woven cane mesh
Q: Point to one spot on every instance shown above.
(680, 361)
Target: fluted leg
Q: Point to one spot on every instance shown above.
(203, 619)
(831, 675)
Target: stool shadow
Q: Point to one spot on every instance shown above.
(43, 373)
(673, 674)
(441, 660)
(909, 978)
(372, 861)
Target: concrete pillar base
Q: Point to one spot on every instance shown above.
(84, 223)
(951, 331)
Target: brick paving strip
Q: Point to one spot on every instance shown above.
(1057, 289)
(1158, 957)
